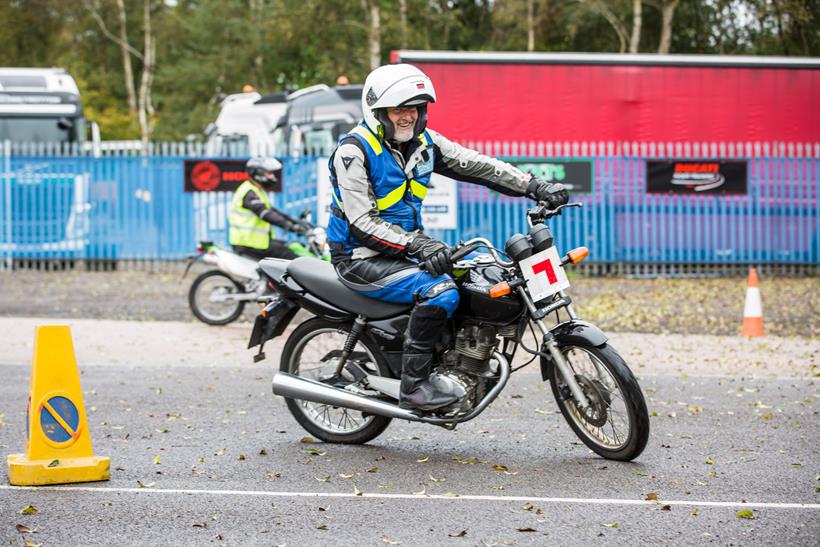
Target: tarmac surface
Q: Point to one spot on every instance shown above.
(202, 452)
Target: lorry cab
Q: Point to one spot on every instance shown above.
(316, 117)
(40, 105)
(308, 121)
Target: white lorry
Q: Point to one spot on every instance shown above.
(305, 122)
(42, 105)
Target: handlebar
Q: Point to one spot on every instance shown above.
(463, 249)
(542, 212)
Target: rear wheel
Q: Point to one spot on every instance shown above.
(210, 298)
(312, 351)
(616, 424)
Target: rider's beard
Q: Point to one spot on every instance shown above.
(403, 134)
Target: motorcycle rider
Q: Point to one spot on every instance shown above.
(252, 215)
(380, 173)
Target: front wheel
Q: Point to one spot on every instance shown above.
(212, 298)
(616, 424)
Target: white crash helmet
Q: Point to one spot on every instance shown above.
(257, 168)
(391, 86)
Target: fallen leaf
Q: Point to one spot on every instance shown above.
(695, 512)
(458, 534)
(666, 508)
(314, 452)
(307, 440)
(241, 456)
(442, 479)
(28, 510)
(28, 543)
(356, 490)
(528, 529)
(745, 514)
(156, 460)
(422, 492)
(610, 524)
(450, 494)
(326, 478)
(652, 496)
(274, 475)
(373, 470)
(322, 527)
(500, 467)
(200, 525)
(141, 485)
(345, 476)
(527, 507)
(25, 529)
(263, 452)
(710, 461)
(54, 463)
(424, 459)
(390, 541)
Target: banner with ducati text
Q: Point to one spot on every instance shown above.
(706, 177)
(212, 175)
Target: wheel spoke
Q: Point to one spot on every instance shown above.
(307, 362)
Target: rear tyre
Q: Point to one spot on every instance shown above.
(203, 298)
(311, 351)
(616, 424)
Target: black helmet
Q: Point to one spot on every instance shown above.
(258, 167)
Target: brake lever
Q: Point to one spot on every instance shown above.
(461, 252)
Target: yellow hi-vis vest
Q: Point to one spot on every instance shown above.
(246, 228)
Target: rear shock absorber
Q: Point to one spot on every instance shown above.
(350, 343)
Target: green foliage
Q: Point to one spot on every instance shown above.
(207, 49)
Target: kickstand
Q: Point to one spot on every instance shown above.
(260, 354)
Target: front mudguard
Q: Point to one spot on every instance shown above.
(569, 333)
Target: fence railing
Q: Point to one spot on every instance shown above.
(66, 203)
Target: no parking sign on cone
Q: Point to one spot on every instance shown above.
(753, 310)
(58, 443)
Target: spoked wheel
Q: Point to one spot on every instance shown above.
(616, 424)
(210, 298)
(312, 351)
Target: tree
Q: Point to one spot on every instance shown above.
(144, 107)
(667, 8)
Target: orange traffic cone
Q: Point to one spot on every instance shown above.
(753, 311)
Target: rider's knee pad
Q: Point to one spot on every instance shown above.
(444, 295)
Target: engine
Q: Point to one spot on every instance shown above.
(467, 367)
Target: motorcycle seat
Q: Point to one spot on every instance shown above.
(319, 278)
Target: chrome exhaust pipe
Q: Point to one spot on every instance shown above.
(296, 387)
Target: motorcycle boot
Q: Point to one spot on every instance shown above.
(416, 391)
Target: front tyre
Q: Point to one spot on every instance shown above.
(616, 424)
(210, 298)
(312, 351)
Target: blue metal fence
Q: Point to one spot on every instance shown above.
(66, 204)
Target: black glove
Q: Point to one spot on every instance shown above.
(433, 254)
(301, 228)
(555, 194)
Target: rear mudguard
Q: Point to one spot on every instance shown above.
(569, 333)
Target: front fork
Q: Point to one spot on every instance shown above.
(551, 344)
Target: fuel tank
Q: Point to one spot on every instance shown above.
(475, 301)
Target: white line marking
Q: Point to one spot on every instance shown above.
(262, 493)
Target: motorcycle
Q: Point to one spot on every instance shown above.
(218, 296)
(339, 371)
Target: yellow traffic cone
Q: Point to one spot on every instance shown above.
(58, 443)
(753, 310)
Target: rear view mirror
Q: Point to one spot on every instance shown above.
(65, 124)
